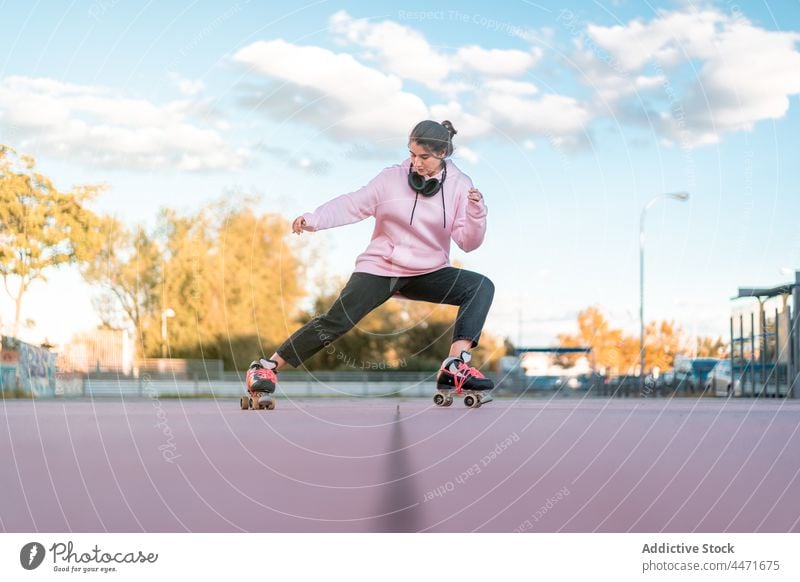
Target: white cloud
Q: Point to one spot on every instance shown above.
(497, 62)
(96, 126)
(348, 97)
(187, 86)
(510, 107)
(507, 108)
(740, 73)
(664, 39)
(488, 78)
(469, 126)
(608, 79)
(400, 50)
(640, 71)
(404, 52)
(511, 87)
(552, 114)
(463, 152)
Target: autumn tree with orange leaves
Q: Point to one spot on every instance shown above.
(614, 352)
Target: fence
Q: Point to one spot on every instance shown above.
(214, 389)
(292, 383)
(182, 368)
(765, 356)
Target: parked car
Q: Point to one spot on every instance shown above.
(691, 373)
(720, 381)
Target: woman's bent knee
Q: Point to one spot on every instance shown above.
(486, 286)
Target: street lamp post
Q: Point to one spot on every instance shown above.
(681, 197)
(164, 315)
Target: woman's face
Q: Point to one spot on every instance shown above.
(424, 162)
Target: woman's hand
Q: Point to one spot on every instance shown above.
(299, 225)
(475, 195)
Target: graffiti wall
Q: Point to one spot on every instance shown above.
(26, 367)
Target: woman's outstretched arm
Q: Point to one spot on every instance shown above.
(344, 209)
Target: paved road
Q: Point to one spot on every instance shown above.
(543, 465)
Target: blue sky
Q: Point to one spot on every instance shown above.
(571, 116)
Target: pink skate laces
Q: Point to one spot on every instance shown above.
(265, 372)
(463, 371)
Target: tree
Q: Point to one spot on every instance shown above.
(662, 342)
(127, 266)
(187, 282)
(618, 353)
(374, 343)
(226, 271)
(428, 335)
(710, 347)
(256, 282)
(400, 334)
(41, 227)
(611, 349)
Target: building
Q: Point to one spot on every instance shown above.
(98, 351)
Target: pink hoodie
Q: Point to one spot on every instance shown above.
(397, 248)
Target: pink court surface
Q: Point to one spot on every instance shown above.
(400, 465)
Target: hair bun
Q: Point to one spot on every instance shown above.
(449, 127)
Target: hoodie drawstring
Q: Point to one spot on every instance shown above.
(441, 191)
(413, 209)
(444, 211)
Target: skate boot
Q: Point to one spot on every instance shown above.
(456, 376)
(260, 381)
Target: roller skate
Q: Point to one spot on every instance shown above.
(456, 376)
(260, 382)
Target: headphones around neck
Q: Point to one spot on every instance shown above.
(426, 186)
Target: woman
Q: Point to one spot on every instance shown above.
(418, 206)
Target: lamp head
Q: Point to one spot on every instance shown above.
(682, 196)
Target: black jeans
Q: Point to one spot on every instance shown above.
(472, 292)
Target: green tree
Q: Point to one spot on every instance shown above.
(41, 227)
